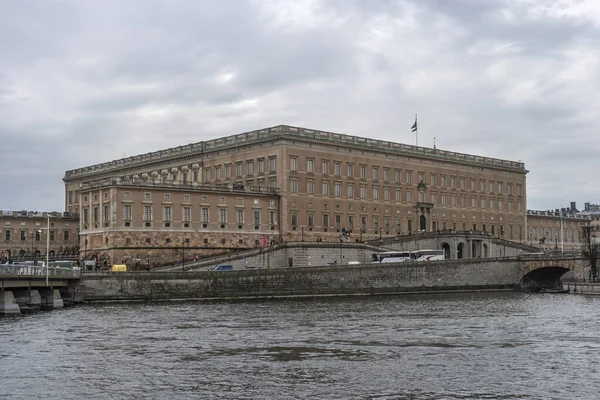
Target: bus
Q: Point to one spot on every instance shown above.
(390, 257)
(427, 255)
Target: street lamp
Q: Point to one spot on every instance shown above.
(47, 250)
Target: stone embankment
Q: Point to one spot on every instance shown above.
(456, 275)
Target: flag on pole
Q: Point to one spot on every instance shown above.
(414, 127)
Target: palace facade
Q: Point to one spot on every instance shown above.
(288, 184)
(24, 234)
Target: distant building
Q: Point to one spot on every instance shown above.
(288, 184)
(24, 234)
(544, 228)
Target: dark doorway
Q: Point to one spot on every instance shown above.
(446, 248)
(422, 223)
(460, 250)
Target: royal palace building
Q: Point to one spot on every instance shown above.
(30, 234)
(288, 184)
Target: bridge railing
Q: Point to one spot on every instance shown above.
(15, 270)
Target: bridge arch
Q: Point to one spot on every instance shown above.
(547, 277)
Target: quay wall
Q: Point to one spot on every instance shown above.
(449, 275)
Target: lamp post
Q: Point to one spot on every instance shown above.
(47, 250)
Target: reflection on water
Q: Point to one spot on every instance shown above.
(454, 346)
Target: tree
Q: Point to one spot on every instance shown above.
(589, 250)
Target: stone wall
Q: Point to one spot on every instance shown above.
(309, 281)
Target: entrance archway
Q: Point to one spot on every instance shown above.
(422, 223)
(446, 248)
(460, 250)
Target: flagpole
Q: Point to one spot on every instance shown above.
(416, 130)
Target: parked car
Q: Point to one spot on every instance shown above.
(251, 267)
(224, 267)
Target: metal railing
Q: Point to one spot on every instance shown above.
(21, 271)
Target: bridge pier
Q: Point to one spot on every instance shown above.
(51, 299)
(8, 304)
(72, 294)
(28, 299)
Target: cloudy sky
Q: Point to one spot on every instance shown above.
(84, 82)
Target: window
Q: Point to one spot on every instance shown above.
(338, 190)
(187, 214)
(386, 194)
(167, 214)
(23, 236)
(38, 236)
(127, 212)
(509, 187)
(363, 192)
(422, 177)
(432, 180)
(398, 225)
(218, 172)
(519, 190)
(106, 213)
(167, 196)
(310, 218)
(261, 166)
(398, 195)
(7, 236)
(363, 172)
(238, 169)
(463, 183)
(186, 197)
(338, 169)
(309, 165)
(325, 167)
(483, 202)
(376, 224)
(519, 205)
(272, 164)
(52, 236)
(293, 164)
(386, 174)
(185, 177)
(408, 196)
(433, 198)
(375, 173)
(482, 182)
(491, 186)
(222, 215)
(473, 201)
(350, 170)
(256, 217)
(492, 205)
(325, 221)
(338, 221)
(239, 217)
(500, 205)
(325, 189)
(272, 217)
(350, 191)
(127, 195)
(147, 213)
(453, 182)
(66, 236)
(249, 168)
(409, 177)
(227, 171)
(453, 200)
(473, 184)
(443, 199)
(310, 187)
(375, 193)
(397, 177)
(294, 218)
(422, 197)
(86, 215)
(195, 175)
(499, 187)
(204, 214)
(95, 215)
(444, 181)
(463, 202)
(294, 186)
(350, 221)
